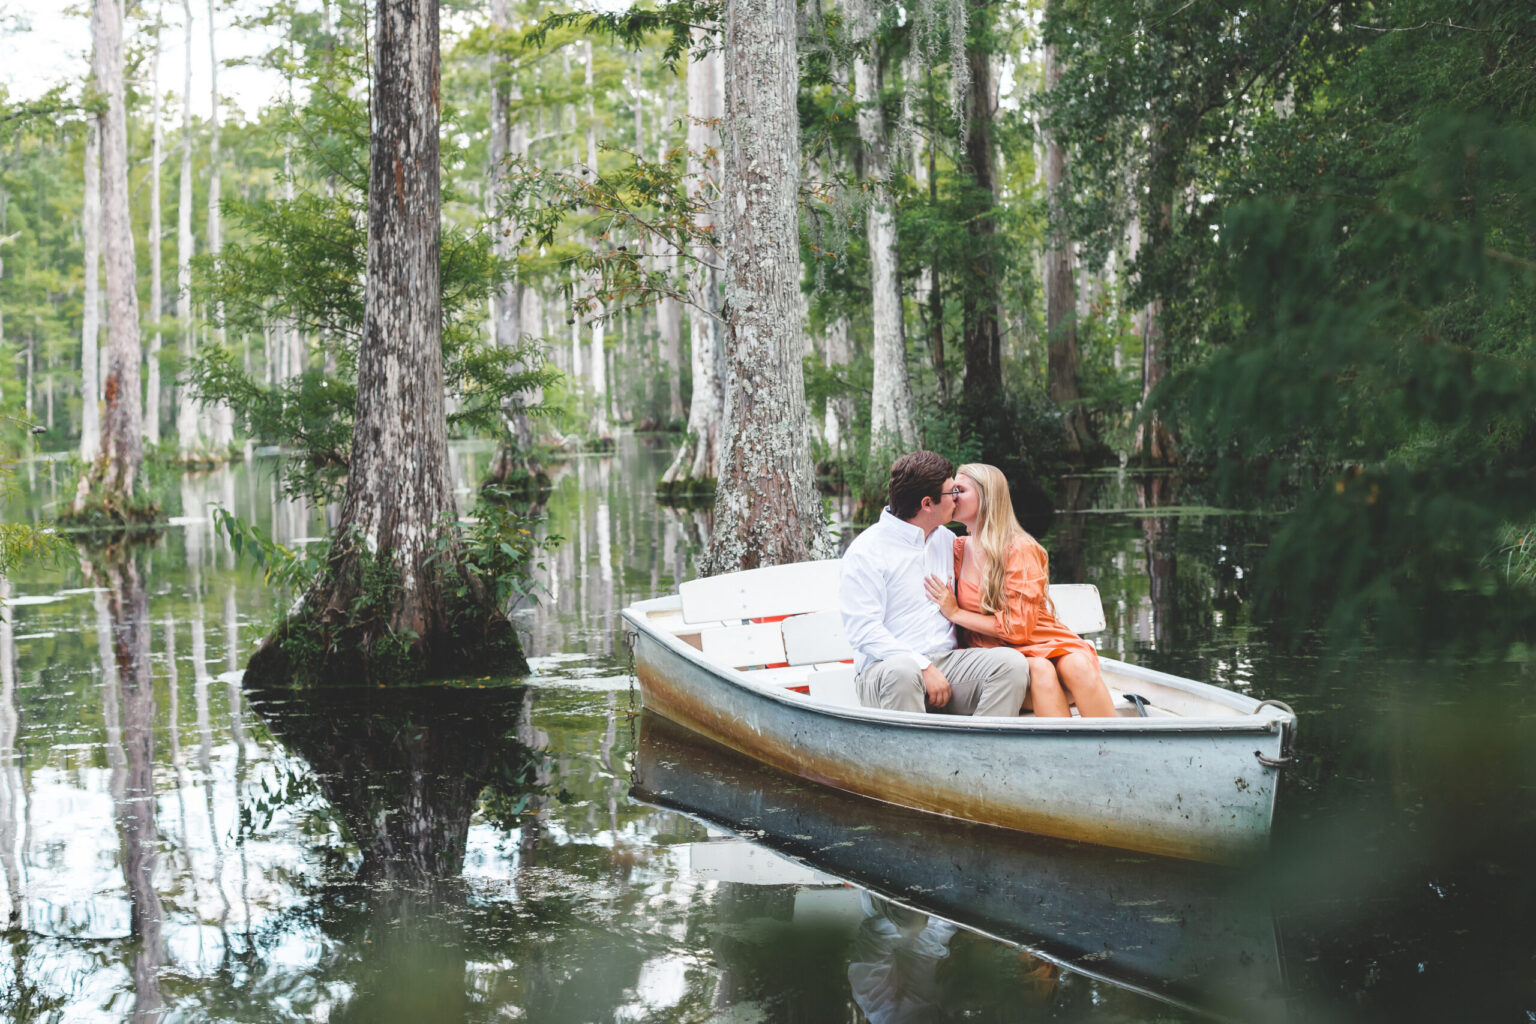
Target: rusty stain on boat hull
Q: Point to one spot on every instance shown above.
(1154, 791)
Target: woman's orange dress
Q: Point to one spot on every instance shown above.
(1030, 625)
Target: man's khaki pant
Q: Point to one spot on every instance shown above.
(982, 680)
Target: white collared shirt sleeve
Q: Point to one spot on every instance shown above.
(862, 598)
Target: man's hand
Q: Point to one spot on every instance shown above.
(936, 685)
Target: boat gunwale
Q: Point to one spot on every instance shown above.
(1254, 721)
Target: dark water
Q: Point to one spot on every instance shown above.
(176, 848)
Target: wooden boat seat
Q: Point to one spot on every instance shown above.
(803, 647)
(753, 644)
(773, 590)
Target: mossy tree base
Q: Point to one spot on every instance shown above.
(314, 650)
(687, 492)
(112, 513)
(352, 628)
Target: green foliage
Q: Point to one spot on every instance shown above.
(280, 566)
(1337, 215)
(675, 20)
(502, 552)
(24, 542)
(300, 263)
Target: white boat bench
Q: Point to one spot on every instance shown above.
(780, 625)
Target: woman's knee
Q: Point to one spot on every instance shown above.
(1042, 675)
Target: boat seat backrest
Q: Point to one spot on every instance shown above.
(754, 643)
(1078, 607)
(768, 592)
(814, 637)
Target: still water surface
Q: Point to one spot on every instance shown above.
(177, 848)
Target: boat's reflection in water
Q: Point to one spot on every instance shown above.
(1192, 935)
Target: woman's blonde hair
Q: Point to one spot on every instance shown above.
(996, 528)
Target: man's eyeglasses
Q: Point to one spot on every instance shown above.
(950, 494)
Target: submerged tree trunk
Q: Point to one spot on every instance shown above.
(892, 415)
(1063, 357)
(90, 335)
(395, 597)
(188, 433)
(113, 479)
(767, 510)
(696, 465)
(981, 334)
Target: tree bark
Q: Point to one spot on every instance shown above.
(114, 478)
(1063, 357)
(399, 509)
(893, 415)
(695, 467)
(188, 433)
(767, 511)
(90, 335)
(981, 334)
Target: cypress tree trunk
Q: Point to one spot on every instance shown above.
(669, 313)
(1063, 357)
(767, 510)
(395, 597)
(981, 334)
(90, 335)
(221, 418)
(892, 416)
(838, 354)
(156, 282)
(596, 360)
(113, 479)
(508, 139)
(935, 293)
(1154, 443)
(669, 326)
(188, 434)
(696, 464)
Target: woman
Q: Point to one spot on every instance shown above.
(999, 599)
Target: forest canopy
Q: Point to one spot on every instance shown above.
(1283, 253)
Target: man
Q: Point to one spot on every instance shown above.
(905, 648)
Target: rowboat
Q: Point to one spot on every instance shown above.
(757, 661)
(1196, 936)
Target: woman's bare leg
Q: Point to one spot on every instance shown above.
(1045, 693)
(1079, 675)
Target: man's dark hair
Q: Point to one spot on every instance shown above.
(915, 477)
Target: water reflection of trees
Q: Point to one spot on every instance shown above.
(403, 768)
(128, 709)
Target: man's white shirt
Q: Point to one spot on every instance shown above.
(885, 609)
